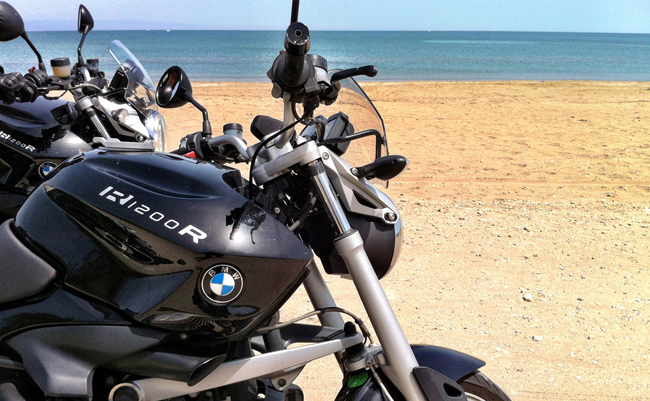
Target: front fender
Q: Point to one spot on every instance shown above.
(453, 364)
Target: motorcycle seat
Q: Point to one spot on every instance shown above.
(23, 273)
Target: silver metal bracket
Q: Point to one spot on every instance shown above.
(258, 366)
(302, 155)
(282, 381)
(116, 144)
(350, 189)
(374, 357)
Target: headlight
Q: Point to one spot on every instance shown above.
(157, 129)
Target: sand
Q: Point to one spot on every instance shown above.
(514, 188)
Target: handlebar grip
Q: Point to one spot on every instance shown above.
(296, 44)
(296, 39)
(368, 70)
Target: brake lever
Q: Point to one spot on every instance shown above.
(330, 91)
(368, 70)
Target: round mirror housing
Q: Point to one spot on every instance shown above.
(85, 22)
(11, 23)
(174, 89)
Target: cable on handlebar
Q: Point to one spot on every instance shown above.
(55, 97)
(261, 146)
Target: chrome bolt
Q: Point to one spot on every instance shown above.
(276, 210)
(326, 156)
(390, 216)
(354, 171)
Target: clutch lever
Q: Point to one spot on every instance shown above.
(368, 70)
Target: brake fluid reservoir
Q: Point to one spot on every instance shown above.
(93, 64)
(61, 67)
(234, 129)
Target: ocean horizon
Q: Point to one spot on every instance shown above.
(398, 55)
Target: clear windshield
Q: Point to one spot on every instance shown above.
(140, 92)
(363, 115)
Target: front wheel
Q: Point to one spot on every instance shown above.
(479, 387)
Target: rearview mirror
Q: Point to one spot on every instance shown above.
(174, 89)
(85, 22)
(11, 23)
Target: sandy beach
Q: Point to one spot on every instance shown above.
(514, 188)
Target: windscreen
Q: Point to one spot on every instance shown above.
(140, 92)
(363, 115)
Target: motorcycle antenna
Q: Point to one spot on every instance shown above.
(295, 6)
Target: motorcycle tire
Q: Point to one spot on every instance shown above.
(479, 387)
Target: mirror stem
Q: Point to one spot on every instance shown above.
(41, 65)
(295, 6)
(81, 43)
(207, 128)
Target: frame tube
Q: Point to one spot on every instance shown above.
(155, 389)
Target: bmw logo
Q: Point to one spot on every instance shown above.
(221, 284)
(46, 168)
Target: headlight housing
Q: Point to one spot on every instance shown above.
(157, 129)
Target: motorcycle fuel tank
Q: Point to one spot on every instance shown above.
(166, 239)
(34, 138)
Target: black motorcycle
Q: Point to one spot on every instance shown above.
(38, 135)
(133, 275)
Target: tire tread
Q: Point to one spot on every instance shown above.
(480, 380)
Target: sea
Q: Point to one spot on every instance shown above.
(399, 56)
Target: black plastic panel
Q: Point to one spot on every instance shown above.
(438, 387)
(34, 133)
(59, 308)
(61, 359)
(9, 204)
(137, 229)
(22, 273)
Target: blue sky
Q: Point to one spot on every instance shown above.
(620, 16)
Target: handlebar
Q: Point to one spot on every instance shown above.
(230, 140)
(202, 147)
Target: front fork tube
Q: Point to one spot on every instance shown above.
(86, 104)
(349, 245)
(321, 297)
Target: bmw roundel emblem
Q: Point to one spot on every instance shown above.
(46, 168)
(221, 284)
